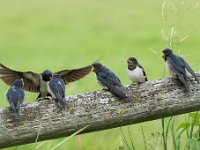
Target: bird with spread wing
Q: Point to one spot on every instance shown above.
(38, 83)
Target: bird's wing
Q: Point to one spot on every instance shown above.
(21, 96)
(183, 80)
(189, 69)
(57, 87)
(9, 96)
(179, 70)
(114, 79)
(176, 65)
(144, 73)
(108, 76)
(74, 74)
(116, 89)
(31, 79)
(108, 79)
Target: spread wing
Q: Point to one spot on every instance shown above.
(74, 74)
(31, 79)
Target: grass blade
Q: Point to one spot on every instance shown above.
(38, 134)
(124, 139)
(38, 146)
(144, 138)
(167, 129)
(163, 134)
(66, 139)
(174, 136)
(193, 124)
(131, 139)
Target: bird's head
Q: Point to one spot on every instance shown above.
(132, 63)
(47, 75)
(166, 52)
(18, 83)
(96, 67)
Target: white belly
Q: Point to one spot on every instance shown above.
(136, 75)
(168, 66)
(43, 88)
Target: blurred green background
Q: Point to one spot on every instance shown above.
(65, 34)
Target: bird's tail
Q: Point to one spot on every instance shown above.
(61, 102)
(17, 110)
(17, 114)
(189, 69)
(119, 92)
(184, 82)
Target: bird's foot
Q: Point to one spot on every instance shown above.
(173, 80)
(39, 99)
(45, 98)
(48, 97)
(105, 89)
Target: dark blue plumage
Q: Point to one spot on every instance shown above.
(56, 88)
(108, 80)
(15, 96)
(177, 67)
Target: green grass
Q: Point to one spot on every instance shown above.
(49, 34)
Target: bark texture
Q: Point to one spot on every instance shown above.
(99, 109)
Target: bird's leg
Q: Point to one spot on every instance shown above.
(134, 83)
(11, 110)
(105, 89)
(49, 96)
(39, 98)
(139, 83)
(173, 79)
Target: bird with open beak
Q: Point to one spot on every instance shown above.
(108, 80)
(38, 83)
(15, 96)
(135, 71)
(177, 67)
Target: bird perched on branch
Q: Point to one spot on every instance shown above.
(177, 67)
(15, 96)
(108, 80)
(57, 90)
(34, 82)
(135, 71)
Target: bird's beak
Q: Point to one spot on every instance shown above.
(162, 55)
(129, 61)
(93, 69)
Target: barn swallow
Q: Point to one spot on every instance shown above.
(135, 71)
(177, 67)
(57, 90)
(15, 96)
(108, 80)
(37, 83)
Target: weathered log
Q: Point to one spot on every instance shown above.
(99, 109)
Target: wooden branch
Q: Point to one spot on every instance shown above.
(98, 109)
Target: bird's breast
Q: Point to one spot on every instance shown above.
(43, 88)
(170, 69)
(136, 75)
